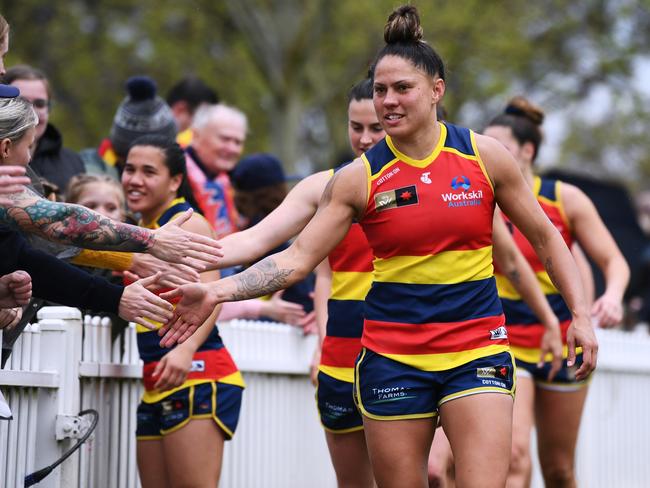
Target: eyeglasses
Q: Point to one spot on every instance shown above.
(41, 104)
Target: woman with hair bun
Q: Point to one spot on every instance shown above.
(541, 401)
(434, 337)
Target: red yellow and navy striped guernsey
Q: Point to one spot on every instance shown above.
(525, 331)
(433, 303)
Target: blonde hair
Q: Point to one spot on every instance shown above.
(4, 27)
(78, 184)
(17, 116)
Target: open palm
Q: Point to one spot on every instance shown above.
(193, 308)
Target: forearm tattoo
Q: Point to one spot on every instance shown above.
(260, 279)
(514, 276)
(73, 224)
(548, 264)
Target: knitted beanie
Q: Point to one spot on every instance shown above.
(257, 171)
(142, 112)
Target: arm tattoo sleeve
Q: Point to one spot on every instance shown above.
(73, 224)
(260, 279)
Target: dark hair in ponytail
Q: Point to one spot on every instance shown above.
(524, 120)
(403, 35)
(175, 162)
(361, 91)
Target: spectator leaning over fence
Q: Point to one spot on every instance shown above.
(72, 224)
(433, 333)
(341, 320)
(555, 406)
(50, 159)
(184, 98)
(142, 112)
(217, 144)
(193, 391)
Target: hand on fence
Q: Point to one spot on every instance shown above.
(281, 310)
(171, 371)
(175, 245)
(581, 334)
(551, 344)
(11, 181)
(607, 312)
(141, 306)
(9, 317)
(174, 274)
(194, 307)
(15, 289)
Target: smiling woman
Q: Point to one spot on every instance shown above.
(193, 391)
(433, 325)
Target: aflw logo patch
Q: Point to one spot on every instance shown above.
(400, 197)
(498, 372)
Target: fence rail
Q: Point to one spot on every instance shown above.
(62, 365)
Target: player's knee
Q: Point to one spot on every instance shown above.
(520, 456)
(559, 475)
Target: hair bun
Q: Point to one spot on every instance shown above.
(523, 108)
(403, 25)
(141, 88)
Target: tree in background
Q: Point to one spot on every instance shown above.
(289, 63)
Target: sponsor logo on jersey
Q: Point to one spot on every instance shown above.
(387, 176)
(499, 333)
(425, 178)
(197, 365)
(461, 196)
(400, 197)
(496, 372)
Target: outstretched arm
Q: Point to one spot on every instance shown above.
(343, 198)
(285, 222)
(519, 204)
(80, 226)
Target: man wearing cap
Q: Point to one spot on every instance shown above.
(142, 112)
(219, 133)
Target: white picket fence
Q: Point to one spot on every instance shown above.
(60, 367)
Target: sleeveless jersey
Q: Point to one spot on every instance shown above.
(351, 264)
(433, 303)
(211, 362)
(524, 328)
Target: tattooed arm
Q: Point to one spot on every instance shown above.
(517, 201)
(73, 224)
(343, 199)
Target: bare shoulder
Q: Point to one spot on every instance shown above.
(348, 185)
(197, 224)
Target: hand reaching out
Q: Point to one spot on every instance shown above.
(194, 307)
(175, 245)
(174, 274)
(138, 304)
